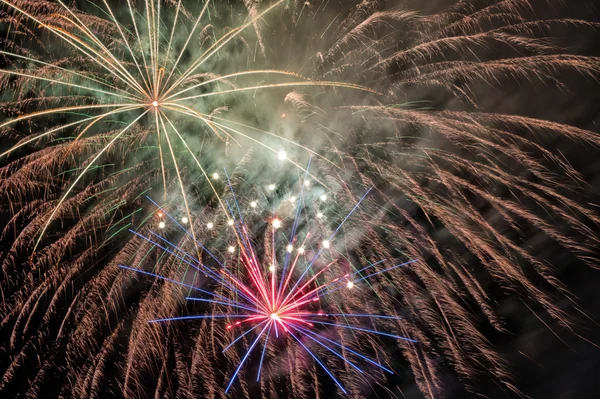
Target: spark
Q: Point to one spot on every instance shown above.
(161, 225)
(276, 223)
(184, 220)
(326, 244)
(210, 225)
(323, 197)
(254, 204)
(282, 155)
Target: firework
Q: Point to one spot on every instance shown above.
(275, 301)
(156, 87)
(107, 103)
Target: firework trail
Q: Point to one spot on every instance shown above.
(105, 103)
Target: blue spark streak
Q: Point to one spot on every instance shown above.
(371, 316)
(223, 303)
(245, 357)
(244, 334)
(206, 270)
(232, 303)
(218, 316)
(329, 349)
(262, 356)
(321, 364)
(307, 331)
(363, 329)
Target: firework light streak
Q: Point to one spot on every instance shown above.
(151, 90)
(474, 182)
(287, 305)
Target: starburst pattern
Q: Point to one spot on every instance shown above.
(159, 86)
(275, 300)
(466, 177)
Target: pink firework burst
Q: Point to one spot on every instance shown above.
(281, 298)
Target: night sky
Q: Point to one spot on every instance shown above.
(544, 359)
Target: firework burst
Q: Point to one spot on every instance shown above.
(274, 299)
(157, 85)
(107, 102)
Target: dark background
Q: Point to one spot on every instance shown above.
(547, 360)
